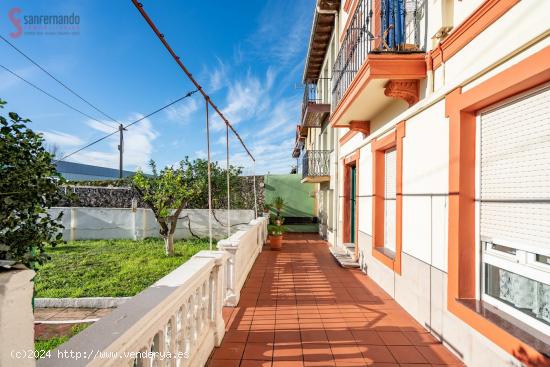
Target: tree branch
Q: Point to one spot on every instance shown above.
(189, 226)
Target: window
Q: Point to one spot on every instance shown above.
(517, 285)
(514, 207)
(387, 201)
(461, 107)
(390, 171)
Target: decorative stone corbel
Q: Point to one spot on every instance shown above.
(406, 89)
(361, 126)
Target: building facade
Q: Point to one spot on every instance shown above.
(316, 141)
(426, 125)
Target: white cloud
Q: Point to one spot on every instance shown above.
(268, 42)
(138, 146)
(201, 154)
(218, 77)
(183, 112)
(246, 98)
(284, 117)
(101, 126)
(61, 139)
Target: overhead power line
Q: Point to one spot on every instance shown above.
(189, 94)
(54, 97)
(59, 81)
(161, 37)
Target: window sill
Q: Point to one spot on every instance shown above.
(388, 258)
(386, 252)
(511, 325)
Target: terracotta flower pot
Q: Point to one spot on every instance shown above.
(276, 242)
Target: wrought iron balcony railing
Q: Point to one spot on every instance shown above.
(399, 26)
(316, 163)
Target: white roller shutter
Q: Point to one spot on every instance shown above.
(515, 173)
(390, 185)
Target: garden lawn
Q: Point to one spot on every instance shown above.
(109, 268)
(42, 346)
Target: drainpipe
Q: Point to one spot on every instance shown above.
(429, 74)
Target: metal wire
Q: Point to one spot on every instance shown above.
(54, 97)
(139, 7)
(189, 94)
(60, 82)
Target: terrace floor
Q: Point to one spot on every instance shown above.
(299, 308)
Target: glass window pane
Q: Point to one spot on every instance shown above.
(526, 295)
(543, 259)
(506, 249)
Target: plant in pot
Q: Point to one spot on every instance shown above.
(267, 209)
(276, 233)
(278, 204)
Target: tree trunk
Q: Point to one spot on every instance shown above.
(169, 244)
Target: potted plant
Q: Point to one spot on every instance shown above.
(278, 204)
(267, 209)
(276, 233)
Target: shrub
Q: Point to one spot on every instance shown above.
(29, 185)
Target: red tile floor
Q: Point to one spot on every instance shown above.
(299, 308)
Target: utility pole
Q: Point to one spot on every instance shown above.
(120, 149)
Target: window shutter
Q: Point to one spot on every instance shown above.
(515, 173)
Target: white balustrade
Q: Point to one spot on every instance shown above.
(177, 321)
(243, 248)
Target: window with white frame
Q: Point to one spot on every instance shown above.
(514, 207)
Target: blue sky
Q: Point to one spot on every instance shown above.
(247, 54)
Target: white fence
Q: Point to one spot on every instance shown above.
(126, 223)
(175, 322)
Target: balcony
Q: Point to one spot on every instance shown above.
(316, 166)
(316, 103)
(382, 56)
(321, 34)
(299, 144)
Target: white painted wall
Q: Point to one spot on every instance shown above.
(422, 287)
(119, 223)
(519, 27)
(426, 185)
(426, 152)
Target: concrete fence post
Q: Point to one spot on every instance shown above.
(134, 215)
(74, 223)
(16, 318)
(144, 223)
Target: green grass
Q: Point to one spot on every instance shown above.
(42, 346)
(109, 268)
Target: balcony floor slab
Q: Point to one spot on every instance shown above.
(313, 312)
